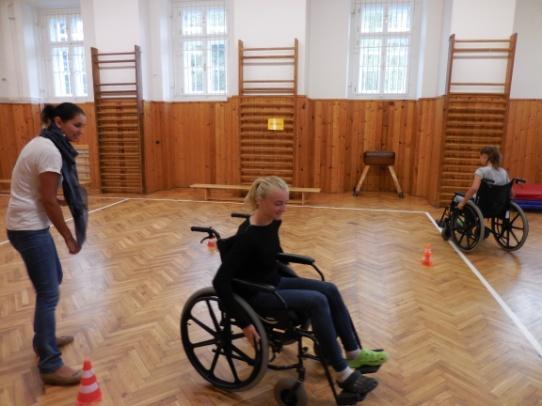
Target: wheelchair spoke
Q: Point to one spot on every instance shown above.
(514, 235)
(215, 359)
(237, 336)
(232, 367)
(212, 313)
(203, 325)
(242, 355)
(514, 219)
(204, 343)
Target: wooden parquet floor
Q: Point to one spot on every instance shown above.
(449, 341)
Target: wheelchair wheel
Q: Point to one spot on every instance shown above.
(511, 231)
(216, 346)
(289, 393)
(467, 227)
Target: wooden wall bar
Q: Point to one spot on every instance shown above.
(199, 142)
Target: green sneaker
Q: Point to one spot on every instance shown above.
(368, 357)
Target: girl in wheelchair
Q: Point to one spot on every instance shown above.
(253, 258)
(489, 198)
(490, 158)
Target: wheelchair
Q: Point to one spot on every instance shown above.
(216, 347)
(466, 228)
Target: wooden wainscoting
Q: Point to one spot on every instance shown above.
(522, 145)
(198, 142)
(19, 123)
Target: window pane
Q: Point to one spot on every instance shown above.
(399, 17)
(369, 65)
(193, 66)
(76, 33)
(372, 18)
(78, 72)
(58, 30)
(395, 75)
(216, 20)
(217, 66)
(192, 21)
(61, 71)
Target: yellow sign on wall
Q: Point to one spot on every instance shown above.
(275, 124)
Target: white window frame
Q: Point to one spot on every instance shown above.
(178, 70)
(47, 75)
(356, 36)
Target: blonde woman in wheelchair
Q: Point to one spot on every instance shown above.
(253, 258)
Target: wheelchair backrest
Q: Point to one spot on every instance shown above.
(493, 200)
(224, 245)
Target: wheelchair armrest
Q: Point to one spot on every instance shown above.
(299, 259)
(261, 287)
(296, 259)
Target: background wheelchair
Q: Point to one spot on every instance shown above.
(217, 349)
(467, 227)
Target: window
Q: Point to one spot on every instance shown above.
(382, 36)
(201, 38)
(65, 54)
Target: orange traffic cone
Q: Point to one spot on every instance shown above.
(426, 260)
(89, 391)
(211, 244)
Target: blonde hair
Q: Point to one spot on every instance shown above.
(261, 188)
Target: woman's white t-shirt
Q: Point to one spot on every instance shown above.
(25, 210)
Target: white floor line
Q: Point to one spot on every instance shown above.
(291, 206)
(90, 211)
(102, 208)
(526, 333)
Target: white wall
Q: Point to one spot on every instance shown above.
(482, 19)
(264, 23)
(19, 69)
(527, 82)
(321, 26)
(327, 63)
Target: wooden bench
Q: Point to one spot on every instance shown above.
(208, 186)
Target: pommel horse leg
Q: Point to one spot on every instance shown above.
(396, 182)
(361, 180)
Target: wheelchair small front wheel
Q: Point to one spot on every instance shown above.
(467, 227)
(216, 346)
(290, 392)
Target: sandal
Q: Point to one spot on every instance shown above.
(357, 383)
(368, 358)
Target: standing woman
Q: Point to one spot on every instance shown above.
(45, 162)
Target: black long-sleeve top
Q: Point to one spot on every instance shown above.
(252, 257)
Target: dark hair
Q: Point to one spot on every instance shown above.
(66, 111)
(493, 155)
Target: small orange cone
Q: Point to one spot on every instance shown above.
(89, 391)
(426, 260)
(211, 244)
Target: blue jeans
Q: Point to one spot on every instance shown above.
(38, 251)
(323, 303)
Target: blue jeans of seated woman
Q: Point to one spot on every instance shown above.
(38, 251)
(324, 305)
